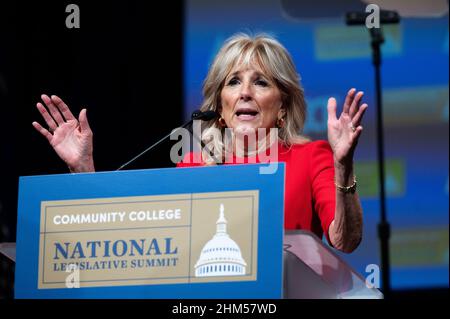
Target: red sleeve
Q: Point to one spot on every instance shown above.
(189, 160)
(322, 183)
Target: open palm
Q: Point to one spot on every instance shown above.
(70, 138)
(343, 132)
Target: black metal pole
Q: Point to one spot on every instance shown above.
(383, 227)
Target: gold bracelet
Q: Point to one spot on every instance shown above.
(346, 189)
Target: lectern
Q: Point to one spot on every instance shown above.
(312, 270)
(206, 232)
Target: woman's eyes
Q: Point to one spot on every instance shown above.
(259, 82)
(262, 83)
(233, 81)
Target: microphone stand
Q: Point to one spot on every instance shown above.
(384, 229)
(196, 115)
(153, 145)
(377, 40)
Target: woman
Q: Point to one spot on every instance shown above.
(255, 88)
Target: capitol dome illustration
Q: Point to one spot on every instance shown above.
(220, 256)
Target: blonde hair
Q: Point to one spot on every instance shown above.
(275, 61)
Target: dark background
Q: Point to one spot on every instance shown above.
(121, 64)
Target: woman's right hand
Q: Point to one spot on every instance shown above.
(70, 138)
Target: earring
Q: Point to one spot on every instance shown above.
(280, 123)
(222, 122)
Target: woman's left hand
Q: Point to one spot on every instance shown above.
(343, 132)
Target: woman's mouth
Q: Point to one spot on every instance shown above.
(246, 114)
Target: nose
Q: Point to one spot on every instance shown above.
(246, 93)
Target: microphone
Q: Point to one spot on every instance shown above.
(196, 115)
(204, 116)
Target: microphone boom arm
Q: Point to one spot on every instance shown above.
(196, 115)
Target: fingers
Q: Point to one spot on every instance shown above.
(348, 100)
(53, 110)
(84, 124)
(48, 119)
(63, 108)
(56, 113)
(356, 120)
(331, 107)
(354, 107)
(357, 133)
(43, 131)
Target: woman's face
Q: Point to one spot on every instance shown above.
(250, 100)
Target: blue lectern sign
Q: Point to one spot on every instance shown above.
(206, 232)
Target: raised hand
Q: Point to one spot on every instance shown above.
(70, 138)
(343, 132)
